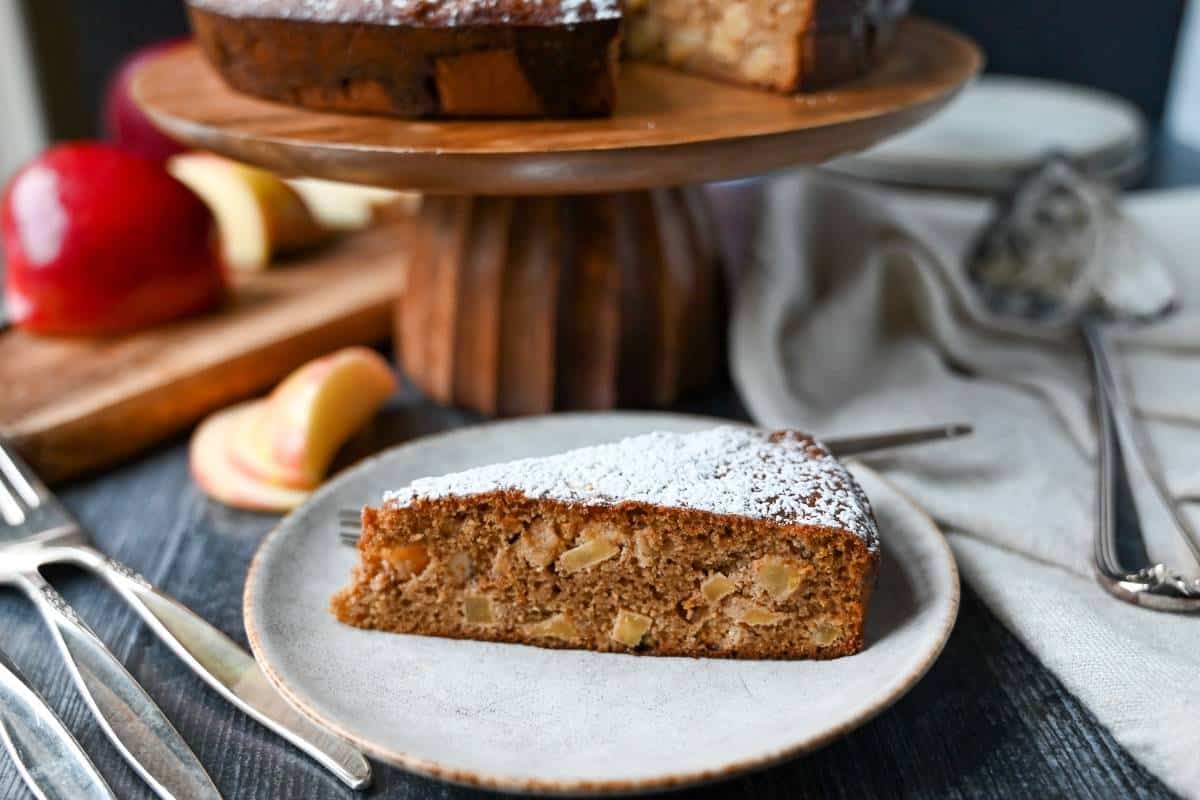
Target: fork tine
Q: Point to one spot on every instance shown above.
(349, 526)
(10, 507)
(21, 476)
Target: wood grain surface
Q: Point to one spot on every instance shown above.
(669, 128)
(987, 721)
(74, 405)
(525, 305)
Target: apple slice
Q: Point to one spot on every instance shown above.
(220, 476)
(348, 206)
(311, 415)
(258, 215)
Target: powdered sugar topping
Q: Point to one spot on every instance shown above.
(422, 12)
(784, 477)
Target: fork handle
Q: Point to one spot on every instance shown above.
(135, 724)
(227, 668)
(49, 759)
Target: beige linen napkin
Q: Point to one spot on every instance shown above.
(855, 316)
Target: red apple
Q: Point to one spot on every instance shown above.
(102, 241)
(124, 123)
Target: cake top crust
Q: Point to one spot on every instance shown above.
(785, 477)
(421, 13)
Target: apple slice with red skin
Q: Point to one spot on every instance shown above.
(220, 476)
(309, 416)
(101, 241)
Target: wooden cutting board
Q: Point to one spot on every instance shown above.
(72, 406)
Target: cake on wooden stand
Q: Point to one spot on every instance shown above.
(554, 272)
(526, 58)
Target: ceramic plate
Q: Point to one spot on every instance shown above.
(1001, 126)
(520, 718)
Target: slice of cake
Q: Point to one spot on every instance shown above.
(785, 45)
(730, 543)
(418, 58)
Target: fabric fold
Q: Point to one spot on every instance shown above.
(855, 315)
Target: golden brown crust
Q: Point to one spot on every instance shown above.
(630, 577)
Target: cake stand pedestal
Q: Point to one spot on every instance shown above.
(555, 263)
(517, 305)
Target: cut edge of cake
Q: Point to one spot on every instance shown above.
(787, 47)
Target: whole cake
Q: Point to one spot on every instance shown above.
(525, 58)
(730, 543)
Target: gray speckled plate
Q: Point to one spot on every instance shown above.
(515, 718)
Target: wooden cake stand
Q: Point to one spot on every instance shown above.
(560, 264)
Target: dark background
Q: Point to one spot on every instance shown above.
(1124, 47)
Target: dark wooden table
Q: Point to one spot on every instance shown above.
(987, 721)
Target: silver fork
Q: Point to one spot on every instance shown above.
(130, 718)
(41, 531)
(350, 520)
(47, 756)
(349, 526)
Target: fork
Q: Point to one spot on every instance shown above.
(51, 535)
(350, 520)
(129, 717)
(47, 756)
